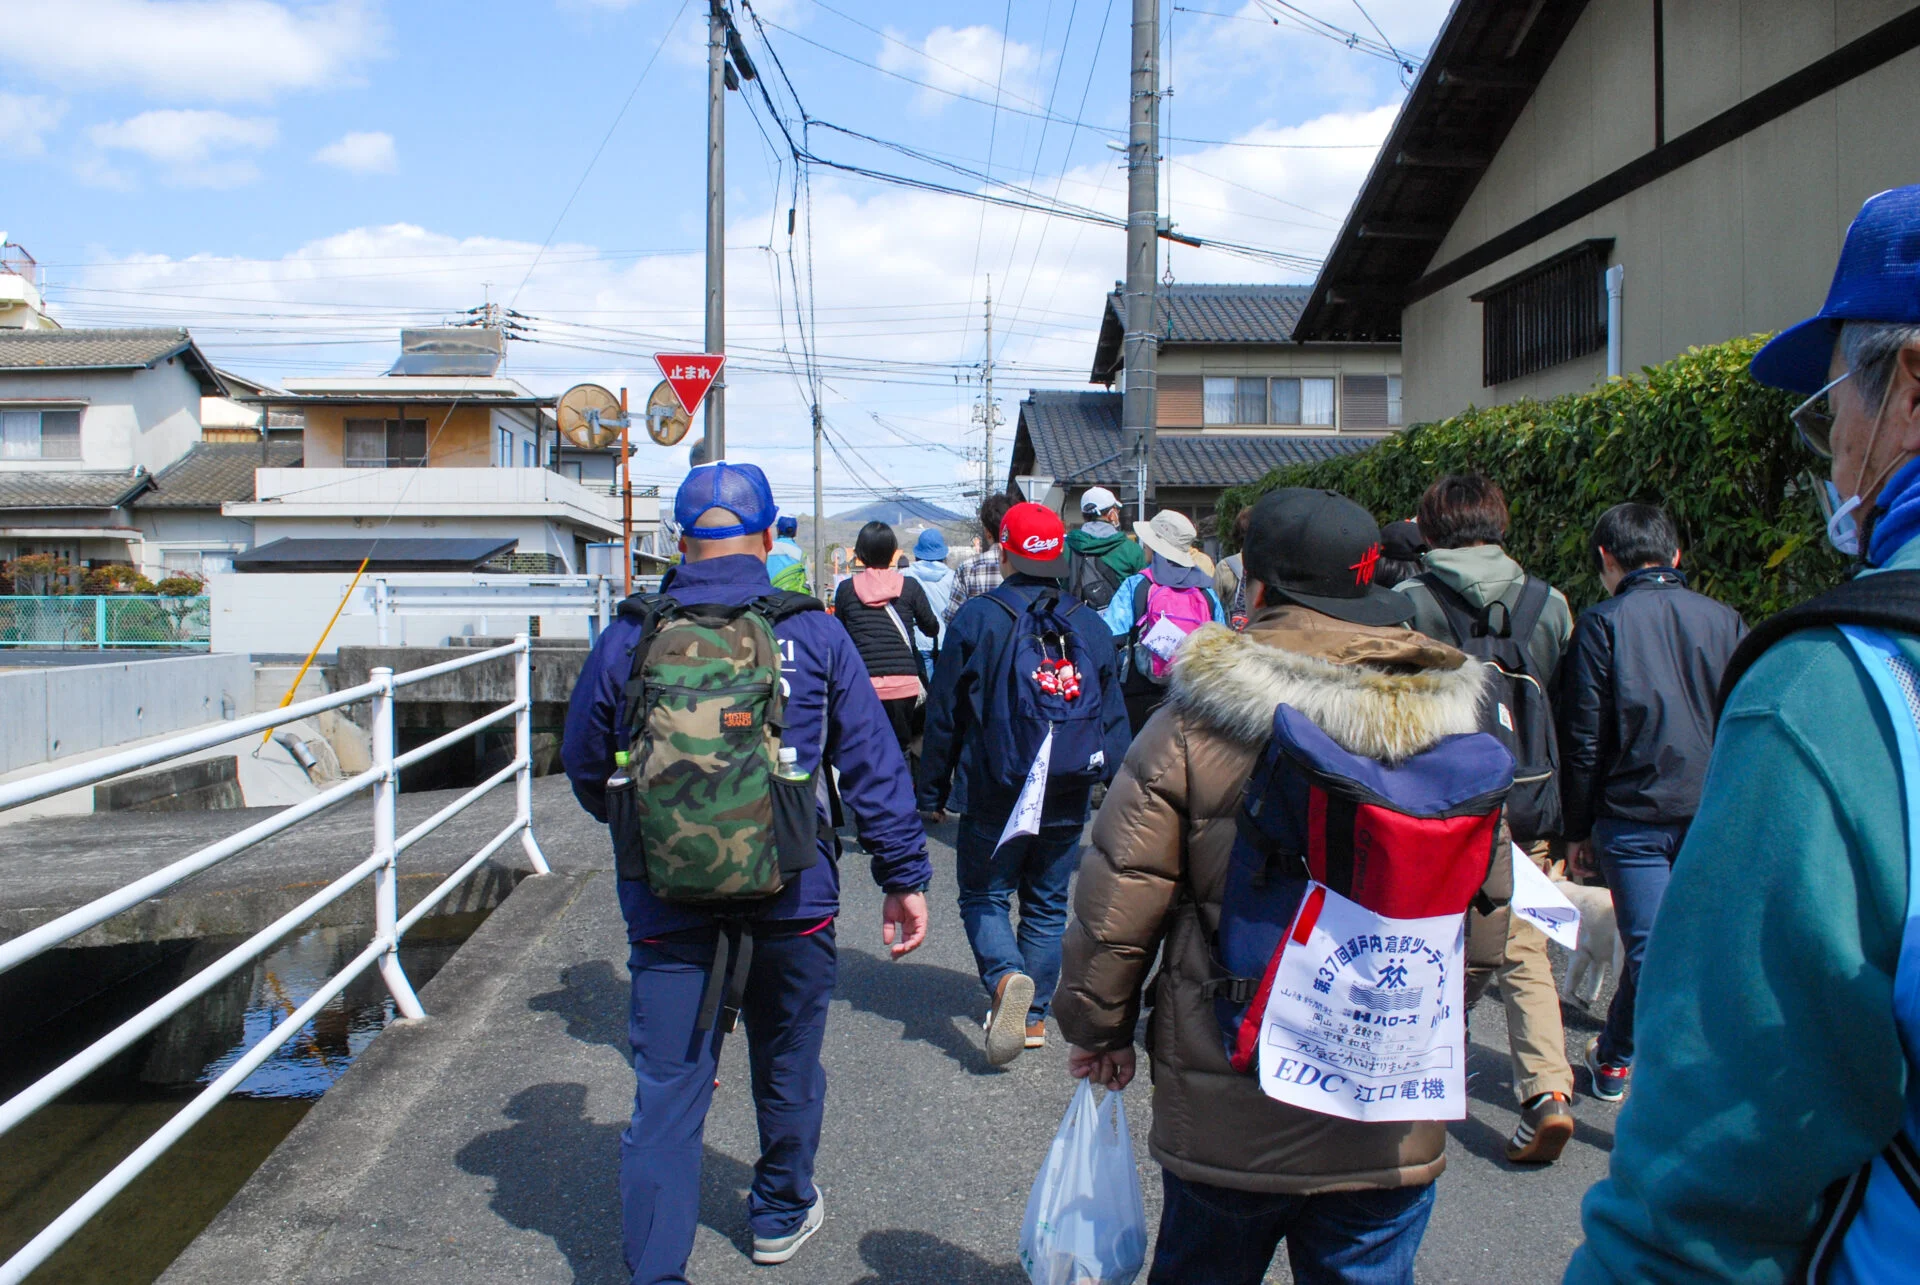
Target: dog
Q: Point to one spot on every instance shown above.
(1601, 954)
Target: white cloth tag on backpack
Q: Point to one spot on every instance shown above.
(1365, 1019)
(1163, 639)
(1033, 795)
(1536, 900)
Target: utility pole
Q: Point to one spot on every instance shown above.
(626, 500)
(1139, 408)
(716, 403)
(819, 511)
(986, 464)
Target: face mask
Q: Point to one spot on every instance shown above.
(1843, 532)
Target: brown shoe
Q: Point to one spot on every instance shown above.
(1545, 1126)
(1037, 1034)
(1007, 1019)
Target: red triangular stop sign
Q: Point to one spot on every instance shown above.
(690, 374)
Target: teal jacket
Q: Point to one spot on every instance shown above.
(1768, 1063)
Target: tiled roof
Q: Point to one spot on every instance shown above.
(134, 349)
(1204, 314)
(27, 489)
(1075, 438)
(214, 472)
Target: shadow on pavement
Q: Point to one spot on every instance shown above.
(593, 998)
(924, 998)
(914, 1257)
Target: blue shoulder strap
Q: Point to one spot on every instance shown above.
(1897, 682)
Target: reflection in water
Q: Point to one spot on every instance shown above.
(51, 1158)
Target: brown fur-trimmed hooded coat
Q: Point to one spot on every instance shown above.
(1158, 861)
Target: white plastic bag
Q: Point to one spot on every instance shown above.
(1085, 1221)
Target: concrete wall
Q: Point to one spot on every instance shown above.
(1741, 241)
(54, 713)
(265, 614)
(144, 417)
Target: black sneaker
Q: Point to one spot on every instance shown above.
(1609, 1078)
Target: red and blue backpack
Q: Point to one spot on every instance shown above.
(1406, 840)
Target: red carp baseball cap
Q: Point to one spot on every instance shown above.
(1035, 540)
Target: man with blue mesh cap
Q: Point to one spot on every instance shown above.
(784, 973)
(787, 564)
(1772, 1125)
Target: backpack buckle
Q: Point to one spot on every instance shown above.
(1235, 990)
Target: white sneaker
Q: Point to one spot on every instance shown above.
(769, 1251)
(1007, 1022)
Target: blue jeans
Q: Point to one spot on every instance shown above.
(789, 984)
(1637, 859)
(1218, 1236)
(1039, 867)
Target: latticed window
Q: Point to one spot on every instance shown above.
(1552, 313)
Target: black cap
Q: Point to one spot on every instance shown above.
(1319, 549)
(1402, 540)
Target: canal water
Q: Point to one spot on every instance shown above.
(54, 1156)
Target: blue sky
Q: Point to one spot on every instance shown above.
(295, 181)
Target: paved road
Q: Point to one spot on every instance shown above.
(482, 1144)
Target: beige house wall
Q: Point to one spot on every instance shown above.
(460, 438)
(1327, 360)
(1741, 241)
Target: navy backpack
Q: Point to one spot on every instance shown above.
(1016, 710)
(1406, 840)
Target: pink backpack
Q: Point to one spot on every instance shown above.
(1185, 609)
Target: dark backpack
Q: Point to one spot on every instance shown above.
(1406, 840)
(1092, 581)
(1517, 712)
(696, 806)
(1016, 712)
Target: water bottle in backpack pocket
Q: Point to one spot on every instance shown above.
(1408, 840)
(1163, 616)
(703, 807)
(1045, 678)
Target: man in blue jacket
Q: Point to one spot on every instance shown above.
(1019, 971)
(1771, 1130)
(726, 512)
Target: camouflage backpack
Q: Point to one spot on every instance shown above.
(697, 806)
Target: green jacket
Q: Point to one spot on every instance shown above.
(1769, 1065)
(1110, 545)
(1482, 574)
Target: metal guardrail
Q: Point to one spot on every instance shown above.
(514, 597)
(100, 621)
(381, 865)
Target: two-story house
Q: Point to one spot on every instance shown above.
(87, 418)
(440, 447)
(1239, 395)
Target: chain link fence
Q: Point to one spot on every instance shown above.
(105, 620)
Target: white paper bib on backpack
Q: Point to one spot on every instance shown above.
(1364, 1019)
(1164, 639)
(1025, 818)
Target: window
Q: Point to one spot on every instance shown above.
(1234, 401)
(526, 455)
(1370, 401)
(503, 448)
(40, 435)
(1394, 419)
(385, 443)
(1305, 401)
(570, 469)
(1552, 313)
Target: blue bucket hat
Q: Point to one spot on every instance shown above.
(931, 546)
(1877, 279)
(741, 489)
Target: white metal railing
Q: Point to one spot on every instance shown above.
(382, 951)
(514, 597)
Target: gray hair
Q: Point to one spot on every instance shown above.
(1870, 349)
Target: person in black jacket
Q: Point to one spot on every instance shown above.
(1636, 718)
(881, 608)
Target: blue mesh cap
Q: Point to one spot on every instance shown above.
(1877, 279)
(741, 489)
(786, 526)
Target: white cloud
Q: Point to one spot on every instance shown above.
(360, 153)
(965, 60)
(24, 119)
(899, 294)
(194, 148)
(217, 50)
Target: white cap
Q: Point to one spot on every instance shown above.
(1098, 500)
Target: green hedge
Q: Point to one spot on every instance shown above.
(1697, 436)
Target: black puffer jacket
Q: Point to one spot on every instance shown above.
(1636, 701)
(875, 635)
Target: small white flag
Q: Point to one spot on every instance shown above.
(1033, 795)
(1537, 900)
